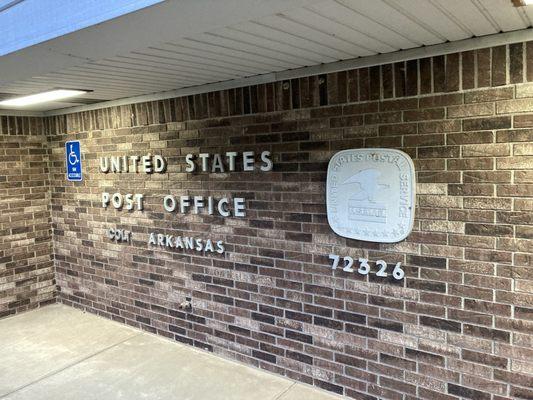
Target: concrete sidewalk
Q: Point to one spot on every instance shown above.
(58, 352)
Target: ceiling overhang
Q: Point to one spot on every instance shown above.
(180, 47)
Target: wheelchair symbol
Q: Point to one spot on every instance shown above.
(72, 157)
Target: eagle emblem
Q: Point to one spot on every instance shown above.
(367, 181)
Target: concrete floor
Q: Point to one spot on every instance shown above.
(58, 352)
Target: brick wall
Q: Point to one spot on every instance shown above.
(26, 261)
(458, 326)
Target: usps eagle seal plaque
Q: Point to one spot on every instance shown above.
(370, 194)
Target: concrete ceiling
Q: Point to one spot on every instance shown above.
(178, 43)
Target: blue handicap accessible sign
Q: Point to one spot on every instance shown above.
(73, 158)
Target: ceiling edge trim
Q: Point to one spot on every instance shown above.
(386, 58)
(21, 113)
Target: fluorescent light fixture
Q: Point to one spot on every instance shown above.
(43, 97)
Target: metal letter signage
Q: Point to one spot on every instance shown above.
(73, 160)
(370, 194)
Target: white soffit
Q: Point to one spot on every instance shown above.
(24, 23)
(184, 45)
